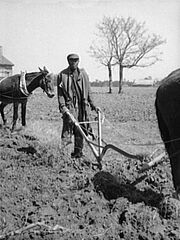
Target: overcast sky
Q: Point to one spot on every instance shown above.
(42, 32)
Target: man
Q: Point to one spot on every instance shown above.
(74, 95)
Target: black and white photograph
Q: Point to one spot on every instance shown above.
(89, 119)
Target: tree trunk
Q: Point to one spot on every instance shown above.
(110, 78)
(120, 77)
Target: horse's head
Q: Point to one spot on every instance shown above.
(47, 82)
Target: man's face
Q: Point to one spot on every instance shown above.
(73, 63)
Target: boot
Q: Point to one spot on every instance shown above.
(77, 153)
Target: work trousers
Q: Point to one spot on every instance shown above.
(69, 129)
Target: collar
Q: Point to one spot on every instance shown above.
(71, 72)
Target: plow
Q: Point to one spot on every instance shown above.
(100, 147)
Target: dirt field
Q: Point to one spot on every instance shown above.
(47, 195)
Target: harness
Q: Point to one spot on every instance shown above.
(22, 84)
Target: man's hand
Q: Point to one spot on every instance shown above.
(64, 110)
(67, 115)
(96, 109)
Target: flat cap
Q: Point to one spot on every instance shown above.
(72, 56)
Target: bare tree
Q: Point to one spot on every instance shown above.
(132, 45)
(128, 43)
(102, 48)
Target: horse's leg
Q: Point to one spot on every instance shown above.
(168, 116)
(23, 112)
(15, 115)
(163, 127)
(175, 146)
(2, 106)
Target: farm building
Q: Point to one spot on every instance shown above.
(146, 82)
(5, 65)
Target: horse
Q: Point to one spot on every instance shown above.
(11, 92)
(167, 105)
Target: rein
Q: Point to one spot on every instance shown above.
(14, 98)
(42, 84)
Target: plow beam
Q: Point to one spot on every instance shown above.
(110, 146)
(101, 150)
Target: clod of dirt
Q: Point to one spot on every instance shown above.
(170, 208)
(107, 184)
(28, 150)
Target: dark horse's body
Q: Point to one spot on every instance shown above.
(10, 92)
(168, 114)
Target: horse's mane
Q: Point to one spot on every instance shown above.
(175, 75)
(32, 75)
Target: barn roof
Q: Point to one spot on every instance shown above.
(5, 61)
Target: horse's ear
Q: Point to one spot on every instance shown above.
(45, 69)
(40, 69)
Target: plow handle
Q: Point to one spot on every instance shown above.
(147, 166)
(83, 134)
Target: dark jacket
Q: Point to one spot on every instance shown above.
(65, 94)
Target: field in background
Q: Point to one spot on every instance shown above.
(41, 183)
(129, 118)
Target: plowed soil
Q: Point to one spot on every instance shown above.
(44, 194)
